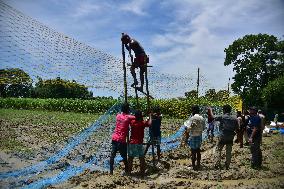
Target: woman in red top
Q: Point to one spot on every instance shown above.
(136, 141)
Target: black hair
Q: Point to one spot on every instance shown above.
(227, 108)
(156, 109)
(125, 37)
(195, 109)
(239, 114)
(138, 115)
(125, 108)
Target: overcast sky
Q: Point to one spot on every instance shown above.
(179, 35)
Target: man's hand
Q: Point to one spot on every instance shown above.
(127, 47)
(250, 140)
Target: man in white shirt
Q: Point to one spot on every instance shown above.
(194, 128)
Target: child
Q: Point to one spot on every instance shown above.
(119, 136)
(155, 131)
(136, 141)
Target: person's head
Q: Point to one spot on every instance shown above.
(138, 115)
(195, 109)
(253, 110)
(156, 110)
(239, 114)
(260, 111)
(125, 108)
(125, 39)
(227, 109)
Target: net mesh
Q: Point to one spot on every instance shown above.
(41, 51)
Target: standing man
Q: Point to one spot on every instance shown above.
(228, 128)
(119, 136)
(254, 133)
(140, 59)
(155, 131)
(262, 118)
(194, 128)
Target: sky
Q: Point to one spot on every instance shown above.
(178, 35)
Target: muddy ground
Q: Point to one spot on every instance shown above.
(175, 171)
(28, 144)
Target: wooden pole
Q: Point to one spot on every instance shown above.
(148, 110)
(229, 86)
(124, 71)
(197, 86)
(125, 90)
(135, 87)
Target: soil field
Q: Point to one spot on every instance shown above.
(26, 134)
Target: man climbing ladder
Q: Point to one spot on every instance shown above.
(140, 60)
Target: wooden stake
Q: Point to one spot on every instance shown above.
(148, 110)
(124, 71)
(197, 88)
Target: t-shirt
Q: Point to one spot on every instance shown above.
(156, 126)
(122, 123)
(228, 127)
(137, 131)
(254, 122)
(196, 124)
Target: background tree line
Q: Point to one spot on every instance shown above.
(14, 82)
(258, 61)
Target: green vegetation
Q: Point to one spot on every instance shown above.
(97, 106)
(44, 118)
(257, 59)
(173, 108)
(39, 126)
(14, 82)
(273, 93)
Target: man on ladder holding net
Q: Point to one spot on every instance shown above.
(140, 60)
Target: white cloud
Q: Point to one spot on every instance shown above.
(201, 30)
(136, 7)
(85, 9)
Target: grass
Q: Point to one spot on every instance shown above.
(47, 126)
(47, 117)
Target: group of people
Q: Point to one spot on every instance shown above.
(249, 125)
(135, 148)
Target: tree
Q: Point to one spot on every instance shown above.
(273, 93)
(191, 94)
(59, 88)
(257, 59)
(14, 82)
(222, 94)
(210, 94)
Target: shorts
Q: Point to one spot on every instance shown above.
(195, 142)
(136, 150)
(140, 60)
(121, 147)
(156, 140)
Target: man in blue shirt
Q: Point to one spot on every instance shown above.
(155, 131)
(254, 133)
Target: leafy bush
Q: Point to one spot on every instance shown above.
(175, 108)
